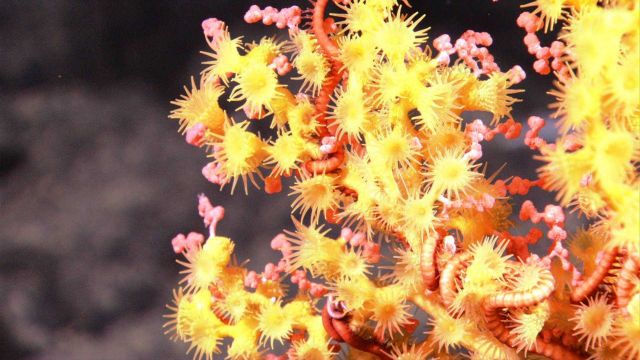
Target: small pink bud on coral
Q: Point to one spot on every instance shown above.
(194, 240)
(195, 134)
(253, 15)
(251, 279)
(531, 39)
(328, 145)
(543, 53)
(541, 66)
(557, 233)
(178, 243)
(346, 233)
(553, 214)
(442, 43)
(214, 30)
(523, 19)
(443, 58)
(557, 49)
(357, 239)
(517, 74)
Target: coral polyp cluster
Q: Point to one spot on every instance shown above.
(375, 143)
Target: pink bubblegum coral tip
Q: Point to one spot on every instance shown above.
(541, 66)
(204, 205)
(282, 65)
(194, 240)
(210, 214)
(280, 242)
(528, 211)
(450, 244)
(288, 17)
(553, 214)
(517, 74)
(253, 15)
(179, 243)
(251, 280)
(346, 233)
(195, 134)
(357, 239)
(523, 19)
(212, 173)
(213, 28)
(442, 43)
(217, 213)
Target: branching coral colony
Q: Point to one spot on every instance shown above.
(375, 142)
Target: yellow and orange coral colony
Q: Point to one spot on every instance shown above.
(375, 142)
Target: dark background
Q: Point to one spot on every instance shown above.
(95, 181)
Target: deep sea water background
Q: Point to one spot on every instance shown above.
(95, 181)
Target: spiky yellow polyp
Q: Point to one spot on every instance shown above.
(527, 324)
(257, 86)
(359, 16)
(285, 153)
(226, 58)
(398, 35)
(358, 53)
(200, 106)
(205, 265)
(447, 332)
(351, 112)
(316, 194)
(594, 321)
(274, 322)
(241, 153)
(452, 172)
(390, 310)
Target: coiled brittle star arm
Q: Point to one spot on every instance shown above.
(625, 283)
(516, 299)
(428, 263)
(588, 286)
(495, 323)
(449, 275)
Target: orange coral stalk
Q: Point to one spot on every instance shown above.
(331, 51)
(587, 287)
(625, 282)
(327, 45)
